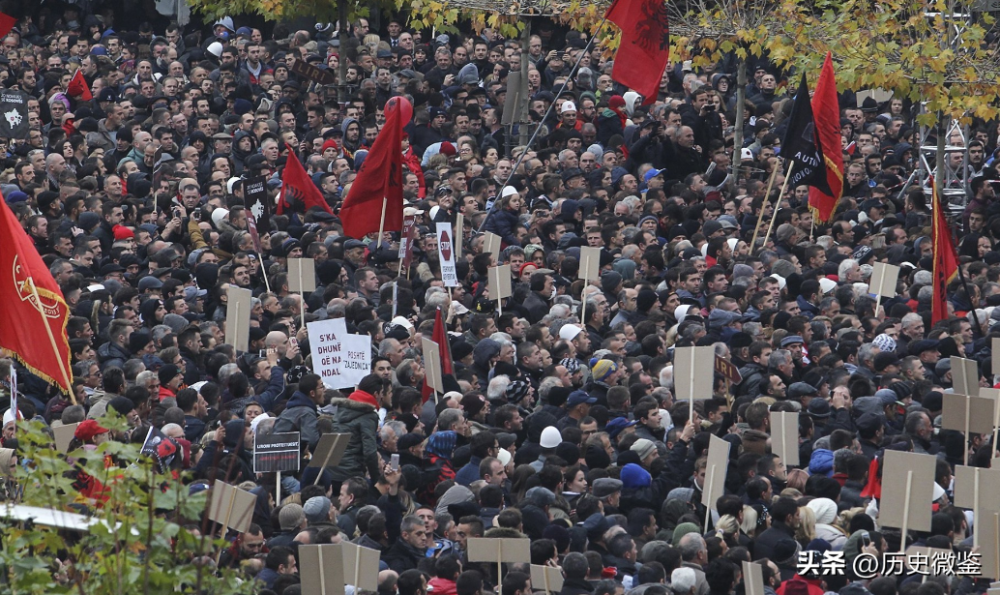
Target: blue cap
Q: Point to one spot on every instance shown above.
(244, 31)
(16, 196)
(652, 174)
(578, 397)
(616, 425)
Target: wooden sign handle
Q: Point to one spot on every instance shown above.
(906, 512)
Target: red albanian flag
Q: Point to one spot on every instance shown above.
(297, 187)
(380, 176)
(32, 301)
(826, 112)
(645, 45)
(78, 87)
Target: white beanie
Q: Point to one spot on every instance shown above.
(825, 509)
(218, 215)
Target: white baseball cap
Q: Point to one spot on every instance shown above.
(568, 332)
(569, 106)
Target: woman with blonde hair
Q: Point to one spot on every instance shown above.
(728, 529)
(806, 531)
(755, 521)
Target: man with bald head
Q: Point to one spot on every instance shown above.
(55, 166)
(278, 341)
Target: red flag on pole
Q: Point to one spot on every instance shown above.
(441, 338)
(380, 177)
(298, 188)
(31, 300)
(826, 112)
(78, 87)
(645, 45)
(7, 23)
(945, 260)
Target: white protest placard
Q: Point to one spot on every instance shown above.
(432, 364)
(238, 317)
(883, 280)
(590, 263)
(358, 362)
(301, 275)
(459, 234)
(491, 245)
(446, 254)
(339, 358)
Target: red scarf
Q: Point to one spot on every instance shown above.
(362, 397)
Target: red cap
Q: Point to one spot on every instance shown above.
(122, 233)
(448, 149)
(329, 144)
(88, 429)
(616, 102)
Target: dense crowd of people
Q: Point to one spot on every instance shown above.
(559, 422)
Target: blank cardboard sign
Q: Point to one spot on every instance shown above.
(715, 471)
(63, 436)
(432, 364)
(994, 394)
(547, 578)
(988, 528)
(590, 263)
(491, 245)
(321, 569)
(965, 376)
(883, 280)
(506, 549)
(301, 275)
(499, 282)
(921, 558)
(329, 450)
(694, 372)
(785, 436)
(980, 411)
(907, 479)
(231, 507)
(995, 344)
(361, 566)
(238, 317)
(753, 579)
(970, 481)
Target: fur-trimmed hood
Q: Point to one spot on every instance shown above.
(504, 532)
